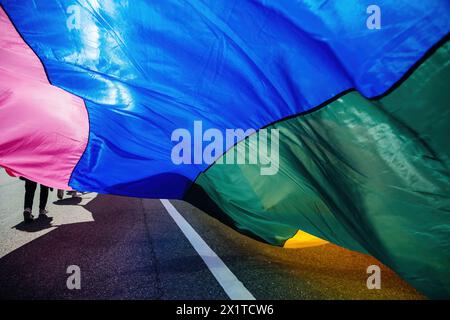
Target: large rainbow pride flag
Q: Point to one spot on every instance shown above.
(91, 92)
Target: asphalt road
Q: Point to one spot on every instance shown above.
(130, 248)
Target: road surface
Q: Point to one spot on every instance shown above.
(130, 248)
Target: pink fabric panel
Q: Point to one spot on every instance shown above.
(43, 129)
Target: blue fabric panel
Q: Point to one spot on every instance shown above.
(146, 68)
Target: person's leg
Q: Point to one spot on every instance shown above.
(43, 199)
(30, 188)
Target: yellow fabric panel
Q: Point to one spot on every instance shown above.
(303, 240)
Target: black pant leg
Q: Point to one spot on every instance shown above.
(43, 197)
(30, 188)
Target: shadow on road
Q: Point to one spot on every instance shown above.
(68, 201)
(134, 250)
(113, 253)
(41, 223)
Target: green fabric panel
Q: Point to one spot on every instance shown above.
(371, 176)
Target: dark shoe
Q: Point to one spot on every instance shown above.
(43, 213)
(73, 193)
(60, 194)
(27, 216)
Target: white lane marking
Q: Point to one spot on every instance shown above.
(229, 282)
